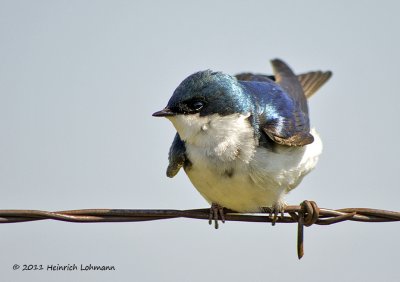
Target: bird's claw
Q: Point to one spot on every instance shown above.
(216, 212)
(274, 212)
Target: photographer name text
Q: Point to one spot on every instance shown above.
(61, 267)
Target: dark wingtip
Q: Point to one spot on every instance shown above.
(277, 61)
(328, 74)
(280, 69)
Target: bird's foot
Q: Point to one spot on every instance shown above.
(216, 211)
(275, 210)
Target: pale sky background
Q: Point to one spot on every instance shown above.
(79, 81)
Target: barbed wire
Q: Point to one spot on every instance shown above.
(305, 214)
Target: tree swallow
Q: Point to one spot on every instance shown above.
(244, 141)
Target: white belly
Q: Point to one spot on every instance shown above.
(261, 182)
(230, 169)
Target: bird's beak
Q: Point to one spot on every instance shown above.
(164, 113)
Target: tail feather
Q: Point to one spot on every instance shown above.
(312, 81)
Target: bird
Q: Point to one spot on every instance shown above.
(244, 141)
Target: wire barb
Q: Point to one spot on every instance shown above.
(305, 214)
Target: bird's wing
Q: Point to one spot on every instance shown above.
(282, 111)
(285, 77)
(176, 156)
(248, 76)
(310, 81)
(296, 126)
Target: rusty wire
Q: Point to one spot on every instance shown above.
(305, 214)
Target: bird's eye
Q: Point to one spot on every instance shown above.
(197, 105)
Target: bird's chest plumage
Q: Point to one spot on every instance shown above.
(229, 168)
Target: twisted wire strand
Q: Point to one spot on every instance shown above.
(305, 214)
(325, 216)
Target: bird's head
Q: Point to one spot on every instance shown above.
(201, 97)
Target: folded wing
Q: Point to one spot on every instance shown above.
(310, 81)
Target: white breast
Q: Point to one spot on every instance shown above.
(229, 168)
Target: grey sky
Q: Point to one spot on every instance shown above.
(79, 81)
